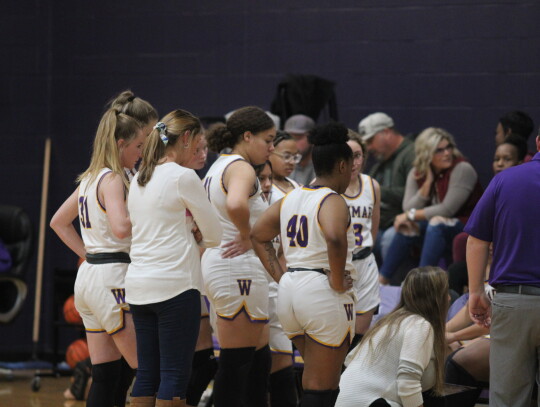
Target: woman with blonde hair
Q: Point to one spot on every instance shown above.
(403, 354)
(441, 191)
(163, 282)
(99, 203)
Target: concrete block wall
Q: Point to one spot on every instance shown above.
(457, 64)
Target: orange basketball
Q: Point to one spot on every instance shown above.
(71, 315)
(77, 351)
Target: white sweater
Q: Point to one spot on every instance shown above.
(165, 259)
(404, 367)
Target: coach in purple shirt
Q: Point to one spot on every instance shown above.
(508, 214)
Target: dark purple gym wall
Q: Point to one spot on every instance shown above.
(457, 64)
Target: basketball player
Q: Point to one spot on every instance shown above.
(315, 300)
(235, 281)
(363, 197)
(282, 381)
(99, 202)
(204, 364)
(164, 279)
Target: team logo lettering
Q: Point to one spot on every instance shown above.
(245, 286)
(119, 295)
(349, 311)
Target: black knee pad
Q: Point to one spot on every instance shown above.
(203, 370)
(258, 379)
(283, 388)
(317, 398)
(106, 372)
(105, 378)
(231, 377)
(126, 378)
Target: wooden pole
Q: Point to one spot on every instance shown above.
(41, 242)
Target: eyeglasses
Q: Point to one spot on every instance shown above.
(441, 150)
(291, 158)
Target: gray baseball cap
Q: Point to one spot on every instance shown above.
(299, 123)
(374, 123)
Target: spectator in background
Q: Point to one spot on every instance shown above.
(515, 122)
(441, 192)
(395, 155)
(299, 126)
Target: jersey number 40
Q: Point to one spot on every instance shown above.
(297, 231)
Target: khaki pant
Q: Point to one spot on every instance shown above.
(515, 349)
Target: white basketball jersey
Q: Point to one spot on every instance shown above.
(95, 229)
(361, 210)
(278, 193)
(303, 240)
(217, 194)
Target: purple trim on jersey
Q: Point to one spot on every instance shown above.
(97, 191)
(361, 184)
(223, 174)
(321, 204)
(373, 190)
(507, 215)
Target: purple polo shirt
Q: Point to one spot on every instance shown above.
(508, 214)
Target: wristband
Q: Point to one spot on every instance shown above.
(411, 213)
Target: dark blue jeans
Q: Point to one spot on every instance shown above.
(166, 336)
(434, 239)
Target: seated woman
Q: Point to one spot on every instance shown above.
(467, 365)
(441, 191)
(402, 355)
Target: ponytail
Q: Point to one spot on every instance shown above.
(113, 126)
(165, 135)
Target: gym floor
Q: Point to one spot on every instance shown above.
(16, 391)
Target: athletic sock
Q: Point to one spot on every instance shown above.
(335, 394)
(203, 370)
(283, 388)
(317, 398)
(126, 378)
(105, 378)
(355, 341)
(258, 379)
(231, 377)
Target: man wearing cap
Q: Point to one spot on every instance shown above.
(395, 155)
(299, 126)
(507, 215)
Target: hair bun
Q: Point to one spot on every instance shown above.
(330, 133)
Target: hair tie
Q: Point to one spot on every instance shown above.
(162, 131)
(130, 99)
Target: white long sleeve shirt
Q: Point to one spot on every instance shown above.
(165, 259)
(402, 369)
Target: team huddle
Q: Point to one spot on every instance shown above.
(281, 263)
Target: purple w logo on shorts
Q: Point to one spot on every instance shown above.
(349, 311)
(245, 286)
(119, 295)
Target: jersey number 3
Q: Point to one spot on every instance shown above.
(297, 231)
(83, 213)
